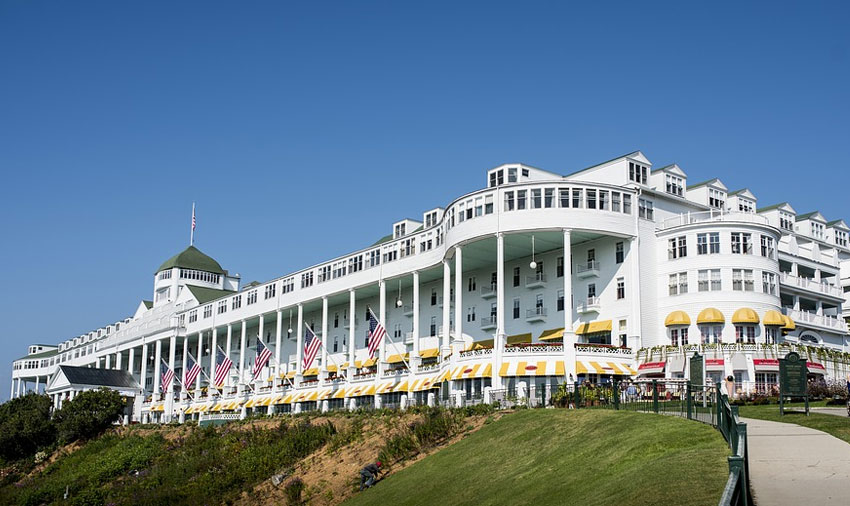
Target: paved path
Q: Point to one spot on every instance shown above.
(794, 465)
(830, 411)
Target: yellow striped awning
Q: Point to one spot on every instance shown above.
(772, 317)
(605, 368)
(250, 403)
(355, 391)
(339, 394)
(370, 390)
(429, 353)
(331, 368)
(265, 402)
(594, 327)
(358, 364)
(447, 374)
(217, 407)
(677, 318)
(189, 410)
(552, 335)
(370, 362)
(300, 397)
(286, 399)
(466, 371)
(560, 370)
(345, 365)
(745, 315)
(523, 368)
(789, 323)
(202, 409)
(710, 315)
(401, 387)
(481, 345)
(423, 384)
(313, 371)
(313, 396)
(397, 359)
(385, 387)
(324, 394)
(277, 399)
(290, 375)
(519, 339)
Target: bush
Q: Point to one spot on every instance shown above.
(88, 414)
(25, 426)
(293, 491)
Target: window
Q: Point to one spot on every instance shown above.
(746, 206)
(433, 296)
(786, 221)
(768, 280)
(222, 306)
(237, 302)
(591, 290)
(637, 173)
(470, 314)
(621, 288)
(564, 197)
(702, 244)
(374, 259)
(577, 198)
(767, 248)
(252, 297)
(716, 198)
(711, 334)
(645, 209)
(433, 326)
(270, 291)
(619, 253)
(307, 279)
(679, 336)
(742, 243)
(841, 238)
(207, 310)
(678, 283)
(675, 185)
(397, 330)
(560, 301)
(627, 204)
(193, 316)
(615, 201)
(745, 333)
(287, 286)
(516, 309)
(516, 276)
(559, 267)
(770, 335)
(677, 247)
(520, 199)
(742, 280)
(714, 243)
(471, 284)
(591, 199)
(549, 197)
(817, 230)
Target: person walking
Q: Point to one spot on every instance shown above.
(369, 474)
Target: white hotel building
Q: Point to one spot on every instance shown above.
(617, 270)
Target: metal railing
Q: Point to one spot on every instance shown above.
(810, 284)
(538, 312)
(589, 266)
(714, 215)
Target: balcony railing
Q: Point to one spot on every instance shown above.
(602, 349)
(536, 314)
(825, 321)
(592, 304)
(536, 281)
(488, 322)
(811, 285)
(534, 348)
(587, 269)
(488, 292)
(408, 310)
(713, 215)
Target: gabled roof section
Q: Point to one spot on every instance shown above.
(672, 169)
(743, 192)
(43, 354)
(634, 155)
(813, 215)
(782, 206)
(204, 295)
(148, 303)
(382, 240)
(838, 224)
(192, 258)
(91, 376)
(716, 182)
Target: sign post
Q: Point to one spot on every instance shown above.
(697, 370)
(792, 380)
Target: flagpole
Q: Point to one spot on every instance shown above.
(277, 363)
(192, 233)
(183, 385)
(329, 356)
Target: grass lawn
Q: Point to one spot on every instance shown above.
(588, 457)
(838, 426)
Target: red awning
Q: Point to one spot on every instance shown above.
(714, 364)
(651, 368)
(816, 368)
(766, 364)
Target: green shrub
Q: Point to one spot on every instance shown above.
(25, 426)
(293, 491)
(89, 414)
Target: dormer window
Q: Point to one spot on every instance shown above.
(817, 230)
(746, 206)
(512, 175)
(400, 230)
(786, 221)
(841, 238)
(716, 198)
(637, 173)
(497, 178)
(675, 185)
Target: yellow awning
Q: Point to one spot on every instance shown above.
(344, 365)
(552, 335)
(519, 339)
(202, 408)
(466, 372)
(313, 371)
(772, 317)
(331, 368)
(339, 394)
(617, 369)
(396, 359)
(370, 390)
(370, 362)
(447, 374)
(313, 396)
(401, 387)
(594, 327)
(429, 353)
(710, 315)
(358, 364)
(385, 388)
(745, 315)
(581, 368)
(559, 368)
(277, 399)
(266, 402)
(503, 369)
(250, 403)
(324, 394)
(480, 345)
(189, 410)
(290, 375)
(487, 372)
(424, 384)
(677, 318)
(789, 323)
(286, 399)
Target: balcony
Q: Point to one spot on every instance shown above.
(536, 281)
(591, 305)
(488, 322)
(714, 215)
(408, 310)
(811, 285)
(488, 292)
(809, 319)
(537, 314)
(408, 337)
(589, 269)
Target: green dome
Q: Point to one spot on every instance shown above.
(192, 258)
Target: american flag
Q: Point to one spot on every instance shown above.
(193, 369)
(222, 366)
(263, 356)
(376, 334)
(193, 216)
(311, 348)
(167, 376)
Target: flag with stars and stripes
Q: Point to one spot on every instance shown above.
(311, 347)
(263, 356)
(222, 366)
(377, 333)
(193, 369)
(167, 376)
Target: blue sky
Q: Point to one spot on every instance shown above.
(303, 130)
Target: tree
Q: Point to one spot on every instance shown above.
(25, 426)
(89, 414)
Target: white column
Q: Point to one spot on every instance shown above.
(498, 340)
(382, 316)
(157, 388)
(108, 361)
(299, 341)
(118, 361)
(200, 357)
(352, 324)
(458, 293)
(277, 343)
(242, 344)
(12, 392)
(324, 334)
(143, 372)
(415, 319)
(796, 299)
(229, 345)
(569, 331)
(634, 292)
(213, 353)
(37, 383)
(131, 361)
(185, 359)
(169, 388)
(260, 328)
(447, 295)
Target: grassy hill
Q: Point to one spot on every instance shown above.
(588, 457)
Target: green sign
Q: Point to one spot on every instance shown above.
(792, 375)
(696, 369)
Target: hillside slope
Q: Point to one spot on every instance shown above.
(588, 457)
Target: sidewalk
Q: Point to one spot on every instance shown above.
(793, 465)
